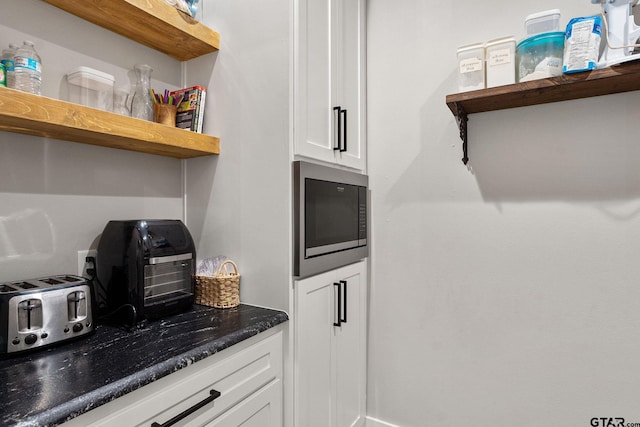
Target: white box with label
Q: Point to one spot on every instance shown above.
(471, 67)
(501, 61)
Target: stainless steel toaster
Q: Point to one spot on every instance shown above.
(40, 312)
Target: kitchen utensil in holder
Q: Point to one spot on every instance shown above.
(221, 290)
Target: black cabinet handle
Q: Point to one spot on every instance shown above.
(344, 131)
(337, 130)
(344, 301)
(339, 316)
(214, 394)
(340, 129)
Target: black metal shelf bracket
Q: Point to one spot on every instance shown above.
(461, 119)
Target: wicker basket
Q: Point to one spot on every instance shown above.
(221, 290)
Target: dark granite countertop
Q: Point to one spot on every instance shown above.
(48, 387)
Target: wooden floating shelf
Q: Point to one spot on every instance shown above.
(606, 81)
(153, 23)
(30, 114)
(617, 79)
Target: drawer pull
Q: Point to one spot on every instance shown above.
(214, 394)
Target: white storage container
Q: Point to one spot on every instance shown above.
(501, 61)
(471, 75)
(542, 22)
(91, 87)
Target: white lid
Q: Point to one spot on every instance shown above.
(502, 40)
(543, 14)
(90, 78)
(470, 47)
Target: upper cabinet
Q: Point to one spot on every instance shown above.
(330, 82)
(153, 23)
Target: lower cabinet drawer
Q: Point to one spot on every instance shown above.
(235, 377)
(261, 409)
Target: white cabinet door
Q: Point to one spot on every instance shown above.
(350, 350)
(330, 348)
(313, 338)
(312, 79)
(349, 82)
(329, 81)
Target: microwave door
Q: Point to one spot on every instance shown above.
(331, 217)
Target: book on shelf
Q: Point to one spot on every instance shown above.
(190, 112)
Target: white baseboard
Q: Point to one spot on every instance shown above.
(374, 422)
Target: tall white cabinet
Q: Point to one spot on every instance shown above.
(330, 348)
(329, 313)
(330, 81)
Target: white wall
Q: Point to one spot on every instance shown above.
(57, 196)
(238, 203)
(506, 294)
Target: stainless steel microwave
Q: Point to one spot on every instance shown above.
(330, 218)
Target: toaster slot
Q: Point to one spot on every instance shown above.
(69, 278)
(76, 306)
(24, 285)
(51, 281)
(6, 288)
(29, 315)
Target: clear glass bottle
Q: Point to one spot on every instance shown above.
(142, 104)
(193, 7)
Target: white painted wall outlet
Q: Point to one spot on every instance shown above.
(83, 265)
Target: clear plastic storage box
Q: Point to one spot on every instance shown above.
(540, 56)
(471, 75)
(501, 61)
(542, 22)
(91, 88)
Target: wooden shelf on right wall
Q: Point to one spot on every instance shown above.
(606, 81)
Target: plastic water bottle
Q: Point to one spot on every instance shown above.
(8, 57)
(28, 69)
